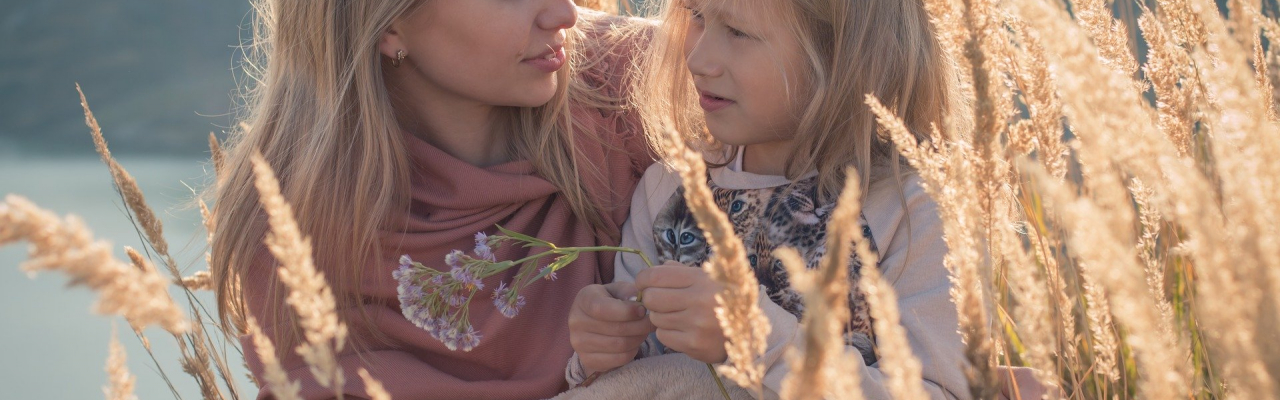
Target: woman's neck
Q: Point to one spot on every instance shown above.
(465, 129)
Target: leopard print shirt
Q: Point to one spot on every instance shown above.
(766, 218)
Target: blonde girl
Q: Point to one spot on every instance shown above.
(773, 92)
(406, 127)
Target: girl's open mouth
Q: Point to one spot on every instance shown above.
(711, 103)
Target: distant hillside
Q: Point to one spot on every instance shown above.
(158, 74)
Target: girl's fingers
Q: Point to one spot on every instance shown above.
(663, 300)
(594, 343)
(700, 347)
(672, 276)
(621, 290)
(640, 327)
(687, 321)
(683, 341)
(596, 303)
(670, 321)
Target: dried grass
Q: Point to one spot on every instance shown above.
(309, 294)
(746, 329)
(67, 246)
(373, 387)
(119, 381)
(276, 379)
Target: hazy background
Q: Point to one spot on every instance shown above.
(159, 75)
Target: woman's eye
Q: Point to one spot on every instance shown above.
(693, 13)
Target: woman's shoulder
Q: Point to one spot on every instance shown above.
(603, 31)
(608, 48)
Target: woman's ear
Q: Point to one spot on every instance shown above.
(391, 42)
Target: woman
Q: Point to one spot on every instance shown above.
(405, 127)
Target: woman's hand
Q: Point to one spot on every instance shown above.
(681, 302)
(606, 330)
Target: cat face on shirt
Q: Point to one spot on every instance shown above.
(676, 234)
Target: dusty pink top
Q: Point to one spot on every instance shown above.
(519, 358)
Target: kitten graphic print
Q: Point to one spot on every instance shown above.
(766, 218)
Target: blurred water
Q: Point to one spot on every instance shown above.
(51, 343)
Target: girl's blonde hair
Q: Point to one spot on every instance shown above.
(853, 48)
(318, 110)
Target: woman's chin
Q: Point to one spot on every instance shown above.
(533, 97)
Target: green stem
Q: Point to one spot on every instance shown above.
(719, 382)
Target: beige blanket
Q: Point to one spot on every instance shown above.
(671, 376)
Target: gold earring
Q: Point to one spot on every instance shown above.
(400, 56)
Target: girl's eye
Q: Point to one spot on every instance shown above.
(737, 33)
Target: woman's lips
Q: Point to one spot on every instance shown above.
(549, 61)
(712, 103)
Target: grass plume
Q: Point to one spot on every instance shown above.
(745, 326)
(309, 294)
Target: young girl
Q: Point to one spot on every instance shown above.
(780, 85)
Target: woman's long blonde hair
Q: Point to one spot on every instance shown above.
(853, 48)
(318, 110)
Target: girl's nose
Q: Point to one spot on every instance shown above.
(701, 62)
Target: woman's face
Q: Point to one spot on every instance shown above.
(492, 52)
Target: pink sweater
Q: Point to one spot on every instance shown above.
(522, 357)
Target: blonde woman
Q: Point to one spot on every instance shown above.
(405, 127)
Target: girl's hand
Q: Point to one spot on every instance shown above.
(604, 328)
(681, 302)
(1020, 383)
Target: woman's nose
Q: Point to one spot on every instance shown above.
(559, 14)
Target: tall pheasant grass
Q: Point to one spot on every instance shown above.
(1110, 216)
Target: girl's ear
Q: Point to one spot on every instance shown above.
(391, 42)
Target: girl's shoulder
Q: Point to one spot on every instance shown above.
(660, 178)
(889, 200)
(904, 219)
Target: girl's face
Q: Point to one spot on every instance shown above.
(492, 52)
(747, 69)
